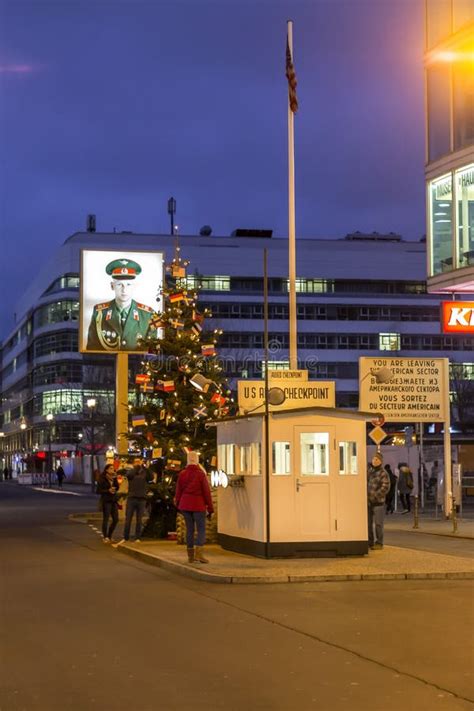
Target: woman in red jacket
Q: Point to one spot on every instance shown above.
(193, 498)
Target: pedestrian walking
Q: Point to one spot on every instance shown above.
(107, 487)
(193, 499)
(390, 498)
(378, 484)
(60, 475)
(405, 486)
(138, 479)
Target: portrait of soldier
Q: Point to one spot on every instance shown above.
(121, 324)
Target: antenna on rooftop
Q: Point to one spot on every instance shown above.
(172, 212)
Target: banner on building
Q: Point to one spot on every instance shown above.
(120, 299)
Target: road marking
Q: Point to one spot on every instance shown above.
(56, 491)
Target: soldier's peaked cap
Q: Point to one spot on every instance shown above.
(123, 269)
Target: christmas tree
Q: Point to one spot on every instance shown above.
(181, 385)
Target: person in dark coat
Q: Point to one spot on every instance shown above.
(405, 486)
(107, 487)
(193, 499)
(378, 484)
(138, 479)
(60, 474)
(390, 498)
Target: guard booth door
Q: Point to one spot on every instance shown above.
(314, 481)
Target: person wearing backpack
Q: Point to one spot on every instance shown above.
(405, 486)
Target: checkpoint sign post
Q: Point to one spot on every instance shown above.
(412, 390)
(298, 390)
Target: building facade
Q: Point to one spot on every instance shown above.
(449, 91)
(360, 295)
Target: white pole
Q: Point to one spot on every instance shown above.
(448, 480)
(291, 224)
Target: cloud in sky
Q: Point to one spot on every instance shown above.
(126, 103)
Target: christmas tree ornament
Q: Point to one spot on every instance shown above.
(138, 420)
(200, 382)
(208, 349)
(142, 378)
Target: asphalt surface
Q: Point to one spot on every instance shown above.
(83, 627)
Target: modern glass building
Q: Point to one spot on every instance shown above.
(359, 295)
(449, 73)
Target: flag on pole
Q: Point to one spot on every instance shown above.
(291, 76)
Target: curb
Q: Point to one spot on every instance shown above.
(199, 574)
(431, 533)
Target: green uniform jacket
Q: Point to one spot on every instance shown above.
(106, 332)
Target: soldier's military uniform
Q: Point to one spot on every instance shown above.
(115, 329)
(109, 332)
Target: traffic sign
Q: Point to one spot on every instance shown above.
(377, 435)
(378, 421)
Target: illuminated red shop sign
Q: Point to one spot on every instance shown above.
(457, 316)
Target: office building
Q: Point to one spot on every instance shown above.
(359, 295)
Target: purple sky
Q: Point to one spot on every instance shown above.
(111, 106)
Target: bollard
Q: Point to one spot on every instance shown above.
(454, 517)
(415, 514)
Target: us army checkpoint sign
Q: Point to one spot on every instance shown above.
(406, 389)
(312, 393)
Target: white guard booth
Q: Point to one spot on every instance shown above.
(310, 500)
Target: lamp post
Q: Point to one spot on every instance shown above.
(92, 404)
(49, 418)
(23, 427)
(2, 454)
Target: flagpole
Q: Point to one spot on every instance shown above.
(291, 224)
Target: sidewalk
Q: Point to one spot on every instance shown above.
(427, 523)
(391, 563)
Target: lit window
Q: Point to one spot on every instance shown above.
(314, 452)
(389, 341)
(348, 458)
(465, 212)
(280, 458)
(441, 224)
(275, 365)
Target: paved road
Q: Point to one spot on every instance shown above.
(84, 627)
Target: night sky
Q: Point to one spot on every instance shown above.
(110, 107)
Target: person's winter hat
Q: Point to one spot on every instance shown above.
(193, 458)
(378, 456)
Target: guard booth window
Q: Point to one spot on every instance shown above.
(314, 453)
(280, 458)
(348, 458)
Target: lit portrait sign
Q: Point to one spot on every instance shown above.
(120, 300)
(457, 316)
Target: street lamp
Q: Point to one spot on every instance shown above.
(23, 426)
(92, 404)
(49, 418)
(2, 439)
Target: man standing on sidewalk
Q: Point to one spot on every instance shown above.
(138, 478)
(378, 484)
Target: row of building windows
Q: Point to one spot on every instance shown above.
(330, 312)
(304, 286)
(56, 312)
(63, 283)
(355, 341)
(58, 342)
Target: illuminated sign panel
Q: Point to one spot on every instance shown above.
(120, 300)
(457, 317)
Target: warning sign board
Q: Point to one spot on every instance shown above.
(407, 389)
